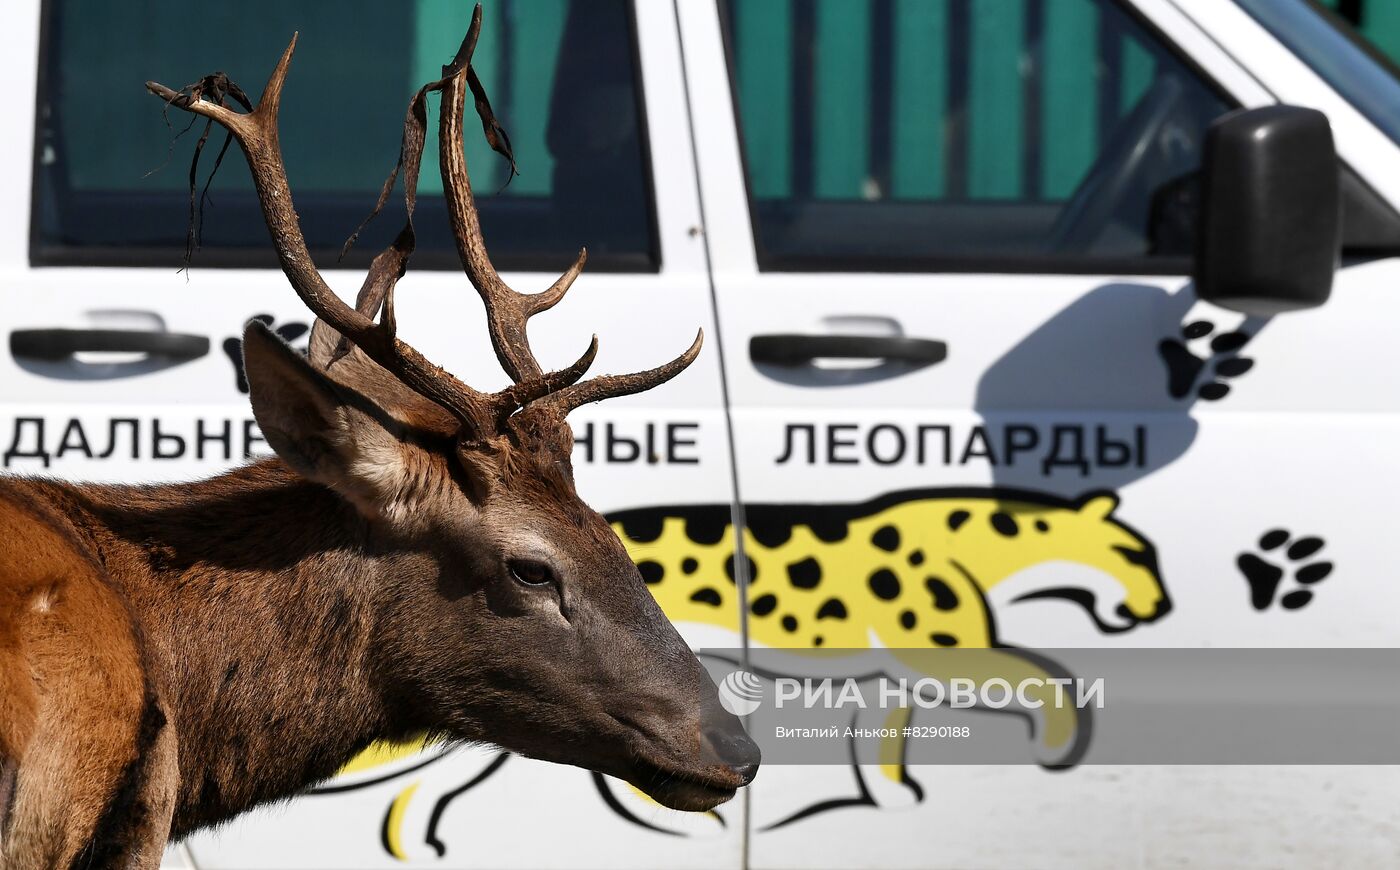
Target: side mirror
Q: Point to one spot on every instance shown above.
(1270, 234)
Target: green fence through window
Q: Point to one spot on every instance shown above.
(922, 99)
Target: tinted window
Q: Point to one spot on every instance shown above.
(561, 76)
(914, 134)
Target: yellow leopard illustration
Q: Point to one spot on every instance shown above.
(908, 570)
(911, 569)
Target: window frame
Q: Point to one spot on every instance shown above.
(43, 255)
(1047, 264)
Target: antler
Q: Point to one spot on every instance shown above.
(554, 393)
(507, 310)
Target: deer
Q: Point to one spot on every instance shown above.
(414, 559)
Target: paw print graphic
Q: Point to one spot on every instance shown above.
(1220, 362)
(233, 347)
(1282, 557)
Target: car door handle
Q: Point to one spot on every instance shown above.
(799, 350)
(59, 344)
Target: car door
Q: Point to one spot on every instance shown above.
(975, 401)
(122, 358)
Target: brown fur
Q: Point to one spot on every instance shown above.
(74, 671)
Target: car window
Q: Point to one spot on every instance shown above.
(113, 170)
(1359, 72)
(952, 134)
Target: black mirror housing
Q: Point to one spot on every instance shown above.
(1270, 235)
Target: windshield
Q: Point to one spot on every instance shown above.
(1336, 53)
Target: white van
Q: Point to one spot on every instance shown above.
(943, 252)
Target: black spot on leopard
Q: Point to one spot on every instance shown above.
(944, 598)
(829, 530)
(644, 528)
(764, 605)
(943, 639)
(832, 609)
(707, 527)
(1005, 524)
(806, 574)
(818, 640)
(1042, 526)
(690, 566)
(956, 519)
(790, 623)
(908, 619)
(707, 596)
(916, 557)
(652, 572)
(884, 584)
(729, 567)
(770, 534)
(887, 539)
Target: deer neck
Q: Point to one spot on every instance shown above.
(258, 596)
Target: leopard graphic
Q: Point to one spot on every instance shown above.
(908, 570)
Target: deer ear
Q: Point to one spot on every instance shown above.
(315, 427)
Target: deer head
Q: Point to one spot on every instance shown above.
(517, 616)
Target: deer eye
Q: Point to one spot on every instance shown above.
(531, 573)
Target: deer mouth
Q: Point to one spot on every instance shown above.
(679, 790)
(690, 788)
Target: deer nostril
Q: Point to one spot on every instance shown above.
(746, 772)
(733, 748)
